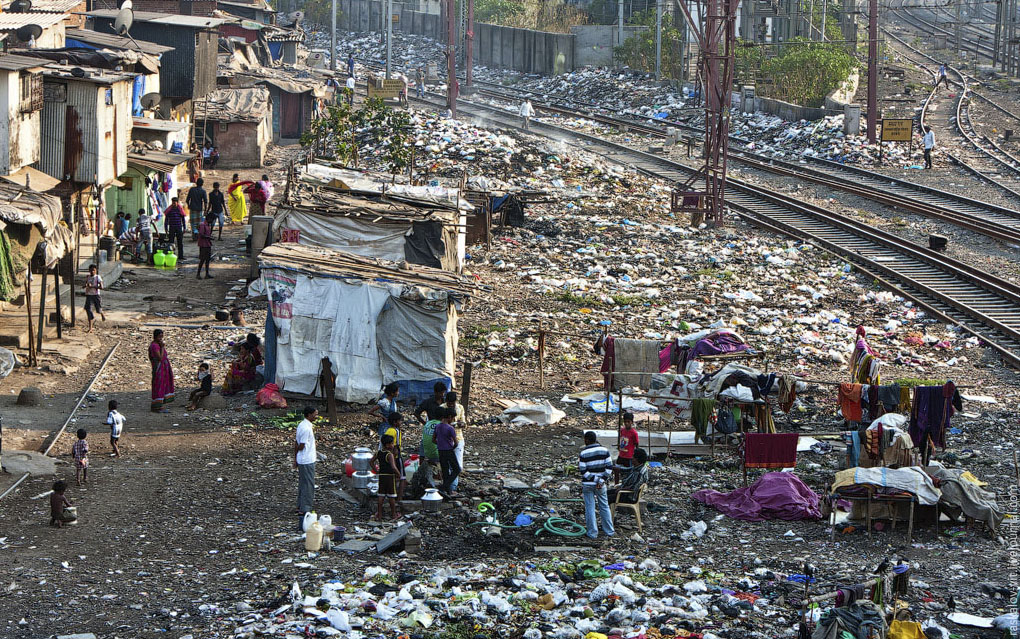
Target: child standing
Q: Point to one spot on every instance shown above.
(116, 422)
(445, 438)
(385, 465)
(460, 421)
(204, 388)
(628, 441)
(60, 512)
(80, 452)
(93, 299)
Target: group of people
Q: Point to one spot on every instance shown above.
(630, 474)
(243, 373)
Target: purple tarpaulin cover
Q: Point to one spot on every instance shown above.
(773, 496)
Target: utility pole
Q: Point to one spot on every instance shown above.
(332, 56)
(470, 35)
(956, 30)
(825, 10)
(389, 35)
(872, 70)
(658, 40)
(451, 56)
(619, 30)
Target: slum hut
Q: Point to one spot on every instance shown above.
(86, 127)
(238, 122)
(149, 60)
(27, 219)
(52, 25)
(377, 321)
(188, 71)
(443, 205)
(21, 103)
(72, 10)
(293, 105)
(382, 228)
(153, 176)
(257, 10)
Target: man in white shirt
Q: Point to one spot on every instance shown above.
(929, 146)
(304, 460)
(350, 89)
(527, 111)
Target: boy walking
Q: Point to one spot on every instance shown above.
(80, 452)
(116, 423)
(205, 246)
(93, 293)
(445, 438)
(595, 466)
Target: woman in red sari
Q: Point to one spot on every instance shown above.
(162, 374)
(243, 371)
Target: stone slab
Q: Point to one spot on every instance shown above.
(354, 545)
(19, 462)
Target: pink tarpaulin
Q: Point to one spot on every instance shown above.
(773, 496)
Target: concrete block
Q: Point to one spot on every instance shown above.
(213, 402)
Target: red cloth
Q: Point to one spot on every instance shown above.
(608, 346)
(770, 450)
(850, 401)
(628, 441)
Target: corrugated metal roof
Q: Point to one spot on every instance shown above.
(195, 22)
(11, 62)
(115, 41)
(97, 76)
(152, 124)
(158, 160)
(58, 6)
(14, 21)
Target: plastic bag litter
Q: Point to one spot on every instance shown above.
(523, 414)
(269, 397)
(696, 531)
(8, 360)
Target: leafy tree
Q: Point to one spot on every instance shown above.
(497, 11)
(638, 51)
(398, 146)
(343, 131)
(806, 71)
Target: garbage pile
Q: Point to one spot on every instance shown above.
(561, 600)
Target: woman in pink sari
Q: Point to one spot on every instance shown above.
(162, 374)
(243, 371)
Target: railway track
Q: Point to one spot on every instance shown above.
(972, 38)
(957, 293)
(996, 222)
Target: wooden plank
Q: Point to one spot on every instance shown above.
(392, 539)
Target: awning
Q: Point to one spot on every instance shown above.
(33, 179)
(158, 160)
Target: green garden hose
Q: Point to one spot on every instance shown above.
(562, 527)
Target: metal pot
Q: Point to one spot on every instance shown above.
(222, 315)
(361, 459)
(361, 479)
(431, 500)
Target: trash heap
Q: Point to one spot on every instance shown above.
(586, 599)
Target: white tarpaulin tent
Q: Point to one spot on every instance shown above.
(378, 323)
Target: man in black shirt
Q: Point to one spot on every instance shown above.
(433, 407)
(218, 206)
(198, 202)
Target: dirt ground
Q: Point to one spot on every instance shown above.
(195, 523)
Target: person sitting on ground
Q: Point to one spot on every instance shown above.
(422, 479)
(433, 406)
(204, 389)
(243, 372)
(60, 506)
(116, 422)
(387, 404)
(80, 453)
(385, 466)
(119, 224)
(634, 477)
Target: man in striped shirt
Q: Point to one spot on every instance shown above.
(596, 467)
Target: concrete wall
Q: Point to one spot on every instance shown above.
(19, 131)
(242, 145)
(523, 49)
(791, 112)
(593, 43)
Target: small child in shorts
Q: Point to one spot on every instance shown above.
(59, 506)
(80, 452)
(204, 389)
(116, 423)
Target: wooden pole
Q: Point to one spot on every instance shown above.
(42, 312)
(329, 391)
(32, 361)
(60, 329)
(541, 359)
(465, 387)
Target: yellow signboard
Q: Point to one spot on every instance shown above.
(385, 89)
(897, 130)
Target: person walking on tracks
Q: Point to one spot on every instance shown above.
(941, 77)
(929, 146)
(527, 112)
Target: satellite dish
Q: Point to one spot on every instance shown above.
(78, 72)
(20, 6)
(124, 4)
(296, 16)
(28, 32)
(122, 23)
(151, 101)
